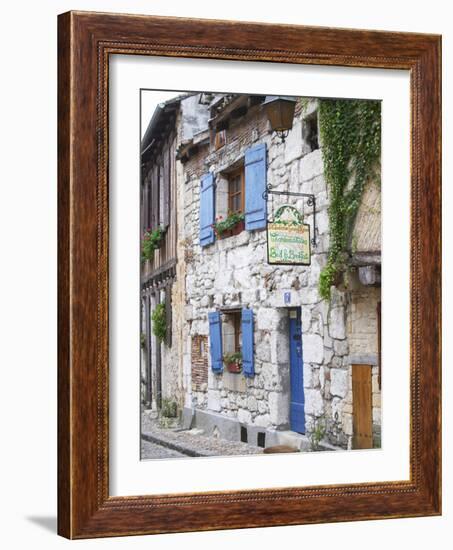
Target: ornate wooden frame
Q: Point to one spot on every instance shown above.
(85, 41)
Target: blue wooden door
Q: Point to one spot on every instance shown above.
(296, 412)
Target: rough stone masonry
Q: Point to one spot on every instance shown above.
(232, 273)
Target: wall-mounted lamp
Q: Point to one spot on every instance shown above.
(280, 112)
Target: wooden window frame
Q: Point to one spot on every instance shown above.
(219, 139)
(240, 171)
(231, 334)
(235, 316)
(237, 332)
(86, 42)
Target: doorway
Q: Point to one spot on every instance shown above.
(296, 366)
(362, 407)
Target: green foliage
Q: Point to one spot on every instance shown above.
(319, 431)
(351, 144)
(327, 278)
(304, 101)
(151, 242)
(169, 408)
(159, 321)
(221, 225)
(297, 217)
(232, 358)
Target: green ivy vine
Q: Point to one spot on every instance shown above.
(350, 132)
(159, 320)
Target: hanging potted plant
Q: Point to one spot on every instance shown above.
(233, 361)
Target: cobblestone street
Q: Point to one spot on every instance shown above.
(153, 450)
(161, 442)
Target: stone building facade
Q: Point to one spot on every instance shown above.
(162, 276)
(307, 363)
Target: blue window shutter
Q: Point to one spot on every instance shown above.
(215, 341)
(255, 186)
(248, 363)
(207, 209)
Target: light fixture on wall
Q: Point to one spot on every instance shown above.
(280, 112)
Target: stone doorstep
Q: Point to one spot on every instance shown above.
(287, 437)
(300, 441)
(175, 446)
(206, 419)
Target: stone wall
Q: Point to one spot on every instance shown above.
(234, 272)
(170, 354)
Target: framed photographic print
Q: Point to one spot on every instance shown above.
(249, 275)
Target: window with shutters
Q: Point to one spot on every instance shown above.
(229, 333)
(239, 190)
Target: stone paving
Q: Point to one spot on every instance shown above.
(170, 442)
(153, 450)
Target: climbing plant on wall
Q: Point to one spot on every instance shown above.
(159, 321)
(350, 132)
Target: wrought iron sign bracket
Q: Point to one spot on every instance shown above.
(311, 201)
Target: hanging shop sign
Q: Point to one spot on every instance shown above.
(288, 238)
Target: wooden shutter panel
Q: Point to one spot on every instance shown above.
(161, 185)
(168, 315)
(248, 363)
(166, 189)
(146, 204)
(149, 366)
(255, 186)
(144, 207)
(215, 341)
(207, 211)
(149, 201)
(154, 202)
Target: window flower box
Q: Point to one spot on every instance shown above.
(238, 228)
(152, 240)
(233, 362)
(232, 225)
